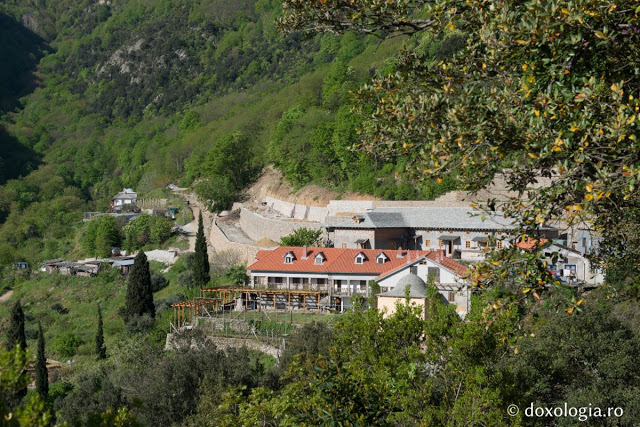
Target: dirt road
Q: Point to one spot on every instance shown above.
(191, 229)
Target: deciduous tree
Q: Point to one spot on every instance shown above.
(537, 90)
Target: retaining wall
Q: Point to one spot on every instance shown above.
(219, 242)
(342, 208)
(256, 226)
(223, 343)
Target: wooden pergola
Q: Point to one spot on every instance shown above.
(217, 298)
(300, 297)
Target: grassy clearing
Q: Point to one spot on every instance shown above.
(67, 306)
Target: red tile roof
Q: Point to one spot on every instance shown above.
(453, 265)
(529, 244)
(339, 260)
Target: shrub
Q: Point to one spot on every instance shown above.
(139, 324)
(66, 344)
(158, 282)
(59, 308)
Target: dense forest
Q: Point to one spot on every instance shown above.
(104, 95)
(401, 99)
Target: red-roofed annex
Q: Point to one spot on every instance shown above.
(343, 273)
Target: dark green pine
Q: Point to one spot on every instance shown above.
(201, 258)
(139, 299)
(42, 374)
(15, 334)
(101, 350)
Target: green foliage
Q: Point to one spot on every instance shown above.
(13, 380)
(230, 158)
(201, 258)
(310, 342)
(15, 333)
(139, 299)
(101, 235)
(530, 90)
(217, 193)
(302, 237)
(101, 349)
(66, 344)
(42, 374)
(236, 275)
(146, 229)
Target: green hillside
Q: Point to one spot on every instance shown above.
(141, 94)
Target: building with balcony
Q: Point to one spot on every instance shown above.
(461, 232)
(341, 273)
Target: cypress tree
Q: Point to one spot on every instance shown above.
(15, 335)
(201, 258)
(42, 374)
(139, 299)
(101, 350)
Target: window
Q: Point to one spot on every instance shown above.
(344, 246)
(363, 285)
(288, 259)
(499, 244)
(381, 258)
(413, 270)
(440, 243)
(433, 273)
(319, 259)
(467, 244)
(452, 296)
(359, 259)
(427, 243)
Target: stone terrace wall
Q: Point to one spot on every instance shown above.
(256, 226)
(343, 208)
(219, 242)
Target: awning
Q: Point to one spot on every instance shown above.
(448, 237)
(480, 239)
(362, 241)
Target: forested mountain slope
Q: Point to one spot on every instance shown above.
(143, 93)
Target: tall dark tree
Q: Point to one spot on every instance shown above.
(15, 335)
(201, 259)
(139, 299)
(42, 374)
(101, 350)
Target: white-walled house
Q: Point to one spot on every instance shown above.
(341, 273)
(446, 274)
(126, 197)
(571, 265)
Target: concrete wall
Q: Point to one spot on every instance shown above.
(256, 226)
(285, 208)
(219, 242)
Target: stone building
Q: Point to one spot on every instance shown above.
(461, 232)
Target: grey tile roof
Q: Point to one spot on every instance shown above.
(430, 218)
(417, 288)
